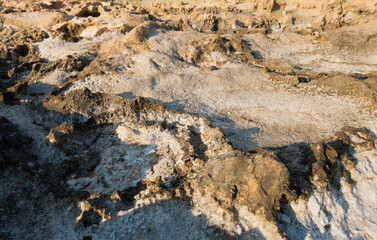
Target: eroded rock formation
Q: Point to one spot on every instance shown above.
(221, 120)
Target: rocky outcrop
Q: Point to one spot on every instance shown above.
(239, 120)
(195, 163)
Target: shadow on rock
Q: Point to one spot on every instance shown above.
(163, 219)
(323, 166)
(240, 138)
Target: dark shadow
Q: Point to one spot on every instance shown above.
(54, 5)
(164, 219)
(293, 21)
(275, 7)
(127, 95)
(4, 69)
(13, 71)
(253, 234)
(173, 105)
(199, 147)
(257, 54)
(329, 160)
(14, 146)
(292, 227)
(85, 12)
(20, 51)
(373, 134)
(298, 158)
(240, 138)
(215, 25)
(153, 32)
(359, 76)
(153, 82)
(40, 90)
(303, 80)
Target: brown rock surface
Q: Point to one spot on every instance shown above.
(185, 120)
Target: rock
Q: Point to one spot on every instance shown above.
(30, 35)
(280, 66)
(134, 40)
(230, 177)
(24, 53)
(88, 104)
(168, 121)
(3, 51)
(348, 85)
(135, 19)
(26, 20)
(241, 180)
(87, 11)
(326, 164)
(287, 79)
(70, 31)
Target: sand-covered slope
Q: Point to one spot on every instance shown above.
(215, 120)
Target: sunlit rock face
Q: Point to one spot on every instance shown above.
(183, 120)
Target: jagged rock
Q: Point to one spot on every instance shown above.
(134, 39)
(255, 181)
(70, 31)
(245, 182)
(198, 53)
(24, 53)
(68, 64)
(29, 35)
(88, 104)
(142, 119)
(87, 11)
(326, 164)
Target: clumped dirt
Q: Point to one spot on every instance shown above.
(216, 120)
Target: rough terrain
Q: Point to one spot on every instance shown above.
(210, 120)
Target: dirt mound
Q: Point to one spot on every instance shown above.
(133, 42)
